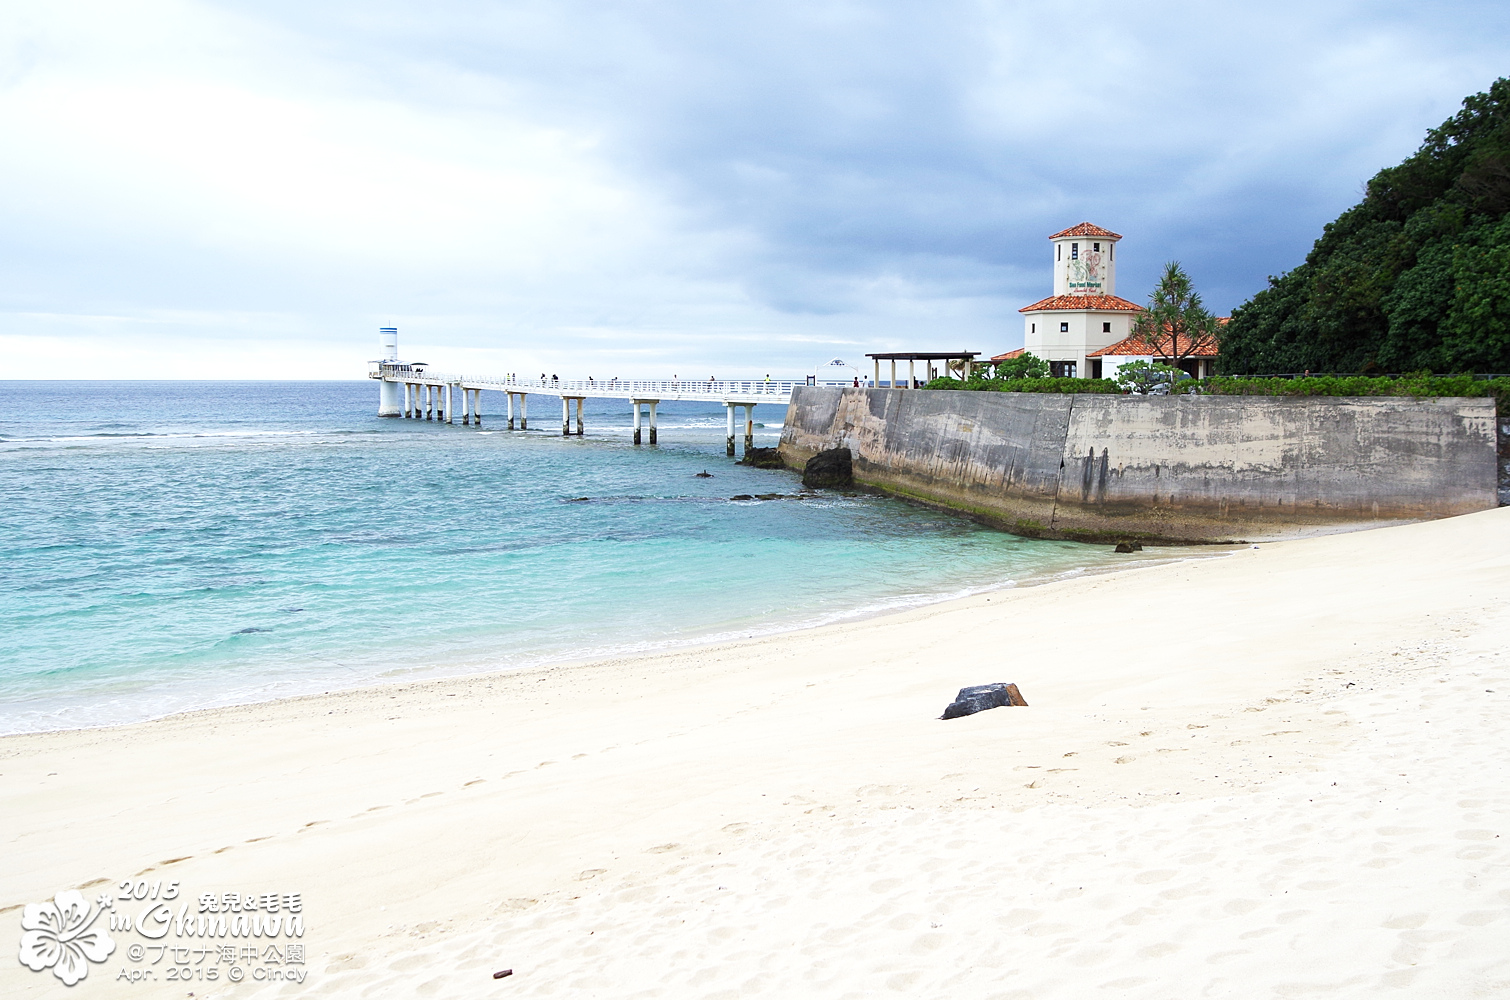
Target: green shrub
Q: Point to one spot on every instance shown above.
(1421, 385)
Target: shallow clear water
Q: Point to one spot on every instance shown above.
(177, 545)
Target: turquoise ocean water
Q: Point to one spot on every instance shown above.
(178, 545)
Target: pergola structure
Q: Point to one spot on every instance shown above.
(966, 358)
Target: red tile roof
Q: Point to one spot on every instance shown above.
(1134, 347)
(1086, 229)
(1075, 303)
(1010, 355)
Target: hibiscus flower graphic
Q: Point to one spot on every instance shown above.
(57, 936)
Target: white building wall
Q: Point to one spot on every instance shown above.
(1085, 266)
(1110, 365)
(1042, 335)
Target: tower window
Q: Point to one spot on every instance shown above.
(1106, 328)
(1032, 327)
(1111, 251)
(1064, 328)
(1096, 247)
(1059, 251)
(1074, 251)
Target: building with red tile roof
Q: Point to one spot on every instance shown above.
(1085, 327)
(1085, 313)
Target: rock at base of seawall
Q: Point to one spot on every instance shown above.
(762, 458)
(1129, 547)
(829, 470)
(981, 697)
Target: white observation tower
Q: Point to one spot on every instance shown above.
(389, 402)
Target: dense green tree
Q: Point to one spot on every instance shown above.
(1414, 277)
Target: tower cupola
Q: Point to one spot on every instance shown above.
(1085, 260)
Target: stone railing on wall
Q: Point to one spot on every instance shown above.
(1160, 468)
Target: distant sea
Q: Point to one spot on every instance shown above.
(178, 545)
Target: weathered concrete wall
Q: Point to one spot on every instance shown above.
(1162, 468)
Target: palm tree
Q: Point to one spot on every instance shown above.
(1176, 325)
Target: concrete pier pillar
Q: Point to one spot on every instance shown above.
(524, 411)
(476, 407)
(466, 407)
(636, 405)
(653, 404)
(912, 379)
(729, 429)
(388, 399)
(749, 427)
(510, 405)
(893, 373)
(877, 380)
(429, 401)
(579, 416)
(565, 417)
(445, 413)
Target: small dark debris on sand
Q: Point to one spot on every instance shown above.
(983, 696)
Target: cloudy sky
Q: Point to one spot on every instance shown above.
(249, 188)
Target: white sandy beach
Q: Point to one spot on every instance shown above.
(1280, 773)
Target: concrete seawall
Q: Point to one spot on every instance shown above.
(1162, 468)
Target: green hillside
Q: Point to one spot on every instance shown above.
(1416, 277)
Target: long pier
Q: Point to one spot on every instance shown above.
(421, 394)
(413, 391)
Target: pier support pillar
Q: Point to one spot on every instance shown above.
(636, 406)
(429, 401)
(912, 378)
(466, 407)
(476, 407)
(893, 373)
(579, 416)
(445, 413)
(653, 404)
(877, 380)
(388, 399)
(524, 411)
(729, 429)
(510, 405)
(749, 427)
(565, 417)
